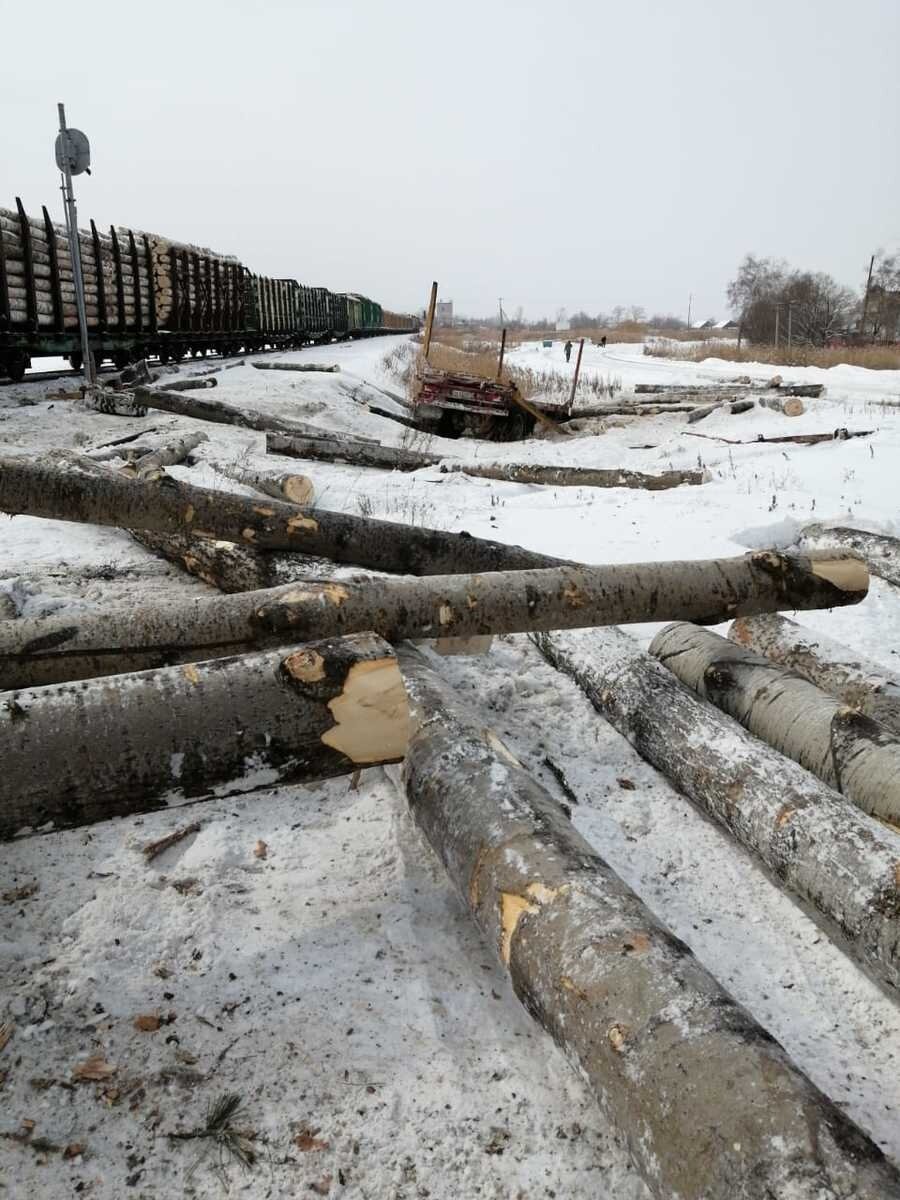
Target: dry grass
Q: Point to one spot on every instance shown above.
(878, 358)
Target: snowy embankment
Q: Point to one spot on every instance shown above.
(335, 980)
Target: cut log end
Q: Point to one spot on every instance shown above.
(848, 574)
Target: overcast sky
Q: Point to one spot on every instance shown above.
(581, 154)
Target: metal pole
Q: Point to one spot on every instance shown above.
(90, 375)
(575, 376)
(502, 352)
(430, 322)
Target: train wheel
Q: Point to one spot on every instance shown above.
(75, 360)
(121, 359)
(16, 365)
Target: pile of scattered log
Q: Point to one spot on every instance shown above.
(119, 711)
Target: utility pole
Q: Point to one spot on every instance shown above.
(790, 318)
(777, 319)
(502, 318)
(690, 302)
(73, 156)
(862, 323)
(429, 324)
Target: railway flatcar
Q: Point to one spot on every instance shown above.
(149, 296)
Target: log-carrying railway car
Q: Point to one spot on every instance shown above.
(146, 295)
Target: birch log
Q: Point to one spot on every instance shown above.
(848, 750)
(201, 408)
(840, 863)
(788, 405)
(387, 458)
(579, 476)
(700, 414)
(331, 368)
(81, 752)
(148, 466)
(296, 489)
(882, 553)
(838, 670)
(192, 385)
(451, 606)
(55, 487)
(709, 1104)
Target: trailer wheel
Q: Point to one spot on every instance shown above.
(121, 359)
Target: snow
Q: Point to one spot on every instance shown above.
(338, 984)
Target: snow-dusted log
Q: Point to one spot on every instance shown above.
(700, 414)
(449, 606)
(836, 669)
(202, 408)
(789, 405)
(850, 751)
(741, 406)
(338, 449)
(57, 487)
(74, 753)
(688, 389)
(882, 553)
(840, 863)
(578, 476)
(191, 385)
(231, 567)
(331, 368)
(296, 489)
(709, 1104)
(149, 465)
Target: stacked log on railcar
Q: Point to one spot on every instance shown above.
(147, 295)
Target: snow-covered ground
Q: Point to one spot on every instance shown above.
(338, 984)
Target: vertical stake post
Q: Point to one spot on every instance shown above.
(502, 352)
(429, 324)
(575, 377)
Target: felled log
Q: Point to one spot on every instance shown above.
(407, 421)
(845, 748)
(80, 752)
(813, 390)
(578, 476)
(296, 489)
(274, 366)
(800, 439)
(741, 406)
(202, 409)
(55, 487)
(455, 606)
(686, 389)
(709, 1104)
(231, 567)
(841, 672)
(787, 404)
(149, 465)
(700, 414)
(840, 863)
(357, 454)
(191, 385)
(882, 553)
(633, 410)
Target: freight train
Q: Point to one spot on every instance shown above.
(146, 295)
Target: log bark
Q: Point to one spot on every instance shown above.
(632, 410)
(203, 409)
(296, 489)
(700, 414)
(710, 1106)
(55, 487)
(454, 606)
(579, 476)
(840, 863)
(82, 752)
(882, 553)
(229, 566)
(150, 465)
(687, 389)
(337, 450)
(191, 385)
(741, 406)
(838, 670)
(789, 405)
(272, 366)
(849, 751)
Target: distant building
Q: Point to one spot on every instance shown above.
(728, 323)
(443, 312)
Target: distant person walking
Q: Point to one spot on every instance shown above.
(603, 341)
(568, 348)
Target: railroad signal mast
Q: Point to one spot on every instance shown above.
(73, 157)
